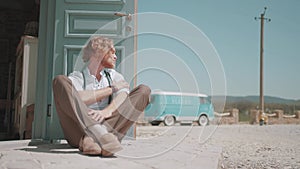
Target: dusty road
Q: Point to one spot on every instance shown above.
(243, 146)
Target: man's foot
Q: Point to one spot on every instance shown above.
(110, 144)
(89, 147)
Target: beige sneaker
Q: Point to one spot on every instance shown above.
(110, 144)
(89, 147)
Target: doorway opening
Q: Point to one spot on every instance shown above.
(18, 18)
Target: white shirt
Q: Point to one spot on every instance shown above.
(85, 81)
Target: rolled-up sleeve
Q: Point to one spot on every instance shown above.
(77, 80)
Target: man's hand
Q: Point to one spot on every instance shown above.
(120, 85)
(99, 115)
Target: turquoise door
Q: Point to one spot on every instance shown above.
(65, 26)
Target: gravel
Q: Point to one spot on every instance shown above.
(258, 147)
(244, 146)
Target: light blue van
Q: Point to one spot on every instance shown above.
(170, 107)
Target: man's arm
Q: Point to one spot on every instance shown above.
(92, 96)
(100, 115)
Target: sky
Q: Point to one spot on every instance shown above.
(213, 46)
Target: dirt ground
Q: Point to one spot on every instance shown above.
(246, 146)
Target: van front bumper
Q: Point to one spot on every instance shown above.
(154, 119)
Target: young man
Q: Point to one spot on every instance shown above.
(94, 106)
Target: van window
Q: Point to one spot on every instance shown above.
(203, 100)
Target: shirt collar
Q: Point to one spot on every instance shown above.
(91, 77)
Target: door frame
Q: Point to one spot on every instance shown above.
(45, 50)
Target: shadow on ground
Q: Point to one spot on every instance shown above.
(45, 147)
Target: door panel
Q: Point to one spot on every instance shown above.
(85, 23)
(74, 22)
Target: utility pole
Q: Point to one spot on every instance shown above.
(261, 93)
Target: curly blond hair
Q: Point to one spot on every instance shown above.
(97, 46)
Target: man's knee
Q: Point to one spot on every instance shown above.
(144, 90)
(59, 84)
(58, 79)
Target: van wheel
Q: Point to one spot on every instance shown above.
(203, 120)
(169, 120)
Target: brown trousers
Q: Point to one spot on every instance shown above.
(73, 117)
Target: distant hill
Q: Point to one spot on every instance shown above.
(267, 99)
(246, 103)
(255, 99)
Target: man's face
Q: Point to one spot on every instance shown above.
(109, 59)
